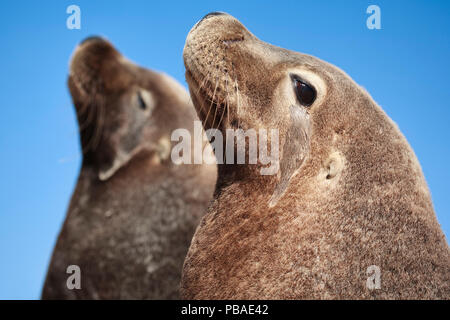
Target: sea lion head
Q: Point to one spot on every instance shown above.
(122, 109)
(252, 84)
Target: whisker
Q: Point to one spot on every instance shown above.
(86, 122)
(204, 81)
(212, 101)
(84, 107)
(215, 113)
(92, 112)
(226, 103)
(99, 125)
(201, 86)
(237, 99)
(237, 94)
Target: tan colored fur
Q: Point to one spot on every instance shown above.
(358, 198)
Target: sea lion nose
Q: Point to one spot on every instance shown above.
(211, 14)
(92, 39)
(214, 13)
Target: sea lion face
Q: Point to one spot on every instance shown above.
(239, 81)
(244, 77)
(122, 109)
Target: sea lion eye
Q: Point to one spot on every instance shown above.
(306, 94)
(141, 102)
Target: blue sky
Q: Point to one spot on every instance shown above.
(405, 67)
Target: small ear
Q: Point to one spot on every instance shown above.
(295, 148)
(120, 159)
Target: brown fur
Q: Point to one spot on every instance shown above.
(357, 198)
(133, 212)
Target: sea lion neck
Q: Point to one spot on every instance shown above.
(141, 165)
(228, 174)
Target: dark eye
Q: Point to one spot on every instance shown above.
(306, 94)
(141, 102)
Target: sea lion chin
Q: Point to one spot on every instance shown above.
(349, 195)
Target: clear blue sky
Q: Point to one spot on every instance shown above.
(405, 66)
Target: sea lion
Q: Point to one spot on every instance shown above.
(133, 211)
(349, 199)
